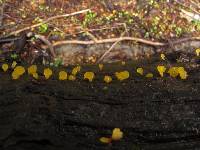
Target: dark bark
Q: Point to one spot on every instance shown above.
(154, 114)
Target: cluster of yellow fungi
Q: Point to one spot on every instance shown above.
(173, 71)
(17, 72)
(90, 76)
(117, 135)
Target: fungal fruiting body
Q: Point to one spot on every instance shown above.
(123, 75)
(62, 75)
(89, 76)
(161, 70)
(47, 73)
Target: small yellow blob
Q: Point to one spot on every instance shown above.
(100, 67)
(14, 63)
(107, 79)
(122, 75)
(140, 71)
(47, 73)
(19, 70)
(123, 63)
(183, 74)
(198, 52)
(4, 67)
(75, 70)
(162, 56)
(72, 77)
(62, 75)
(149, 75)
(35, 75)
(117, 134)
(32, 69)
(15, 76)
(114, 11)
(105, 140)
(89, 76)
(161, 70)
(173, 72)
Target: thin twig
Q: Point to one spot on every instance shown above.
(110, 49)
(91, 36)
(183, 5)
(48, 20)
(112, 40)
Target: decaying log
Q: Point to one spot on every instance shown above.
(153, 114)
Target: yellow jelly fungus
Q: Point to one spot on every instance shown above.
(198, 52)
(62, 75)
(122, 75)
(162, 56)
(19, 70)
(35, 75)
(72, 77)
(140, 71)
(180, 69)
(15, 75)
(107, 79)
(117, 134)
(47, 73)
(4, 67)
(14, 63)
(89, 76)
(173, 72)
(149, 75)
(100, 67)
(161, 70)
(123, 63)
(75, 70)
(105, 140)
(183, 74)
(32, 69)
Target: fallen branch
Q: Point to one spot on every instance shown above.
(48, 20)
(112, 40)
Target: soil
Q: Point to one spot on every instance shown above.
(154, 114)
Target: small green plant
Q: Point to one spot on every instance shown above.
(57, 62)
(178, 31)
(43, 8)
(14, 56)
(43, 28)
(89, 18)
(196, 23)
